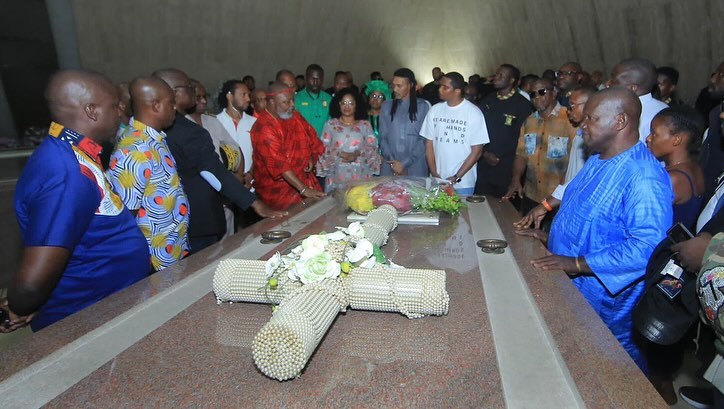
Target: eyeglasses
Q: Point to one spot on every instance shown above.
(346, 103)
(568, 73)
(377, 96)
(539, 92)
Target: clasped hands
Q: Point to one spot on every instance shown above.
(349, 157)
(16, 321)
(397, 168)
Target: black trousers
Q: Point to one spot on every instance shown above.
(199, 243)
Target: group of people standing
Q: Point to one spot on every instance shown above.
(616, 167)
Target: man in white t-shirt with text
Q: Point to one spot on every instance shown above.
(454, 132)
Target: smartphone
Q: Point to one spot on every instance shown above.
(679, 233)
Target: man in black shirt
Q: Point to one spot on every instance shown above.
(202, 174)
(505, 111)
(711, 156)
(431, 90)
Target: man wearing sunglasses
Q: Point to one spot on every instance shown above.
(543, 148)
(568, 77)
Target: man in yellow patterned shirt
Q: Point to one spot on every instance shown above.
(544, 147)
(143, 172)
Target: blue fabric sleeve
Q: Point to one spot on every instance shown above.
(647, 214)
(54, 215)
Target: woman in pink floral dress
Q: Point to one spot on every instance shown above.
(350, 143)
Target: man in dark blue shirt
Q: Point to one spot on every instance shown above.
(80, 243)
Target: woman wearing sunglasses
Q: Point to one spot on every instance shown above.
(377, 92)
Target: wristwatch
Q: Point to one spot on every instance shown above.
(458, 179)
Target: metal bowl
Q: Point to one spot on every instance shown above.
(475, 199)
(276, 235)
(492, 246)
(273, 241)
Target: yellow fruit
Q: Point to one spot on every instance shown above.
(358, 198)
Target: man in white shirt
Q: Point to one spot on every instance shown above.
(455, 133)
(639, 75)
(234, 99)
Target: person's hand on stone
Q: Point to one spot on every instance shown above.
(515, 189)
(553, 262)
(265, 211)
(534, 217)
(535, 233)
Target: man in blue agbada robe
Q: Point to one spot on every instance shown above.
(613, 215)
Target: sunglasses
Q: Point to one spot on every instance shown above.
(346, 103)
(539, 92)
(568, 73)
(377, 96)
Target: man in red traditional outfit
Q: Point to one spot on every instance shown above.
(286, 148)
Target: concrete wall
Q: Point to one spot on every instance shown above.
(27, 59)
(217, 39)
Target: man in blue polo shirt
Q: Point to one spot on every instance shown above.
(80, 243)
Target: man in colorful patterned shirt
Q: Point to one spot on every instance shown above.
(143, 172)
(286, 149)
(205, 179)
(80, 243)
(544, 147)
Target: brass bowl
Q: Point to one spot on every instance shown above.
(475, 199)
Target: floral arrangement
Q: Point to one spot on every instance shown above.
(406, 194)
(324, 255)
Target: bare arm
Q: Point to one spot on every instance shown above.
(515, 187)
(40, 270)
(430, 158)
(297, 184)
(470, 161)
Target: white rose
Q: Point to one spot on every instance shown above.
(316, 268)
(273, 264)
(369, 263)
(355, 230)
(362, 251)
(314, 245)
(336, 236)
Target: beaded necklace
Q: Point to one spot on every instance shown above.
(506, 96)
